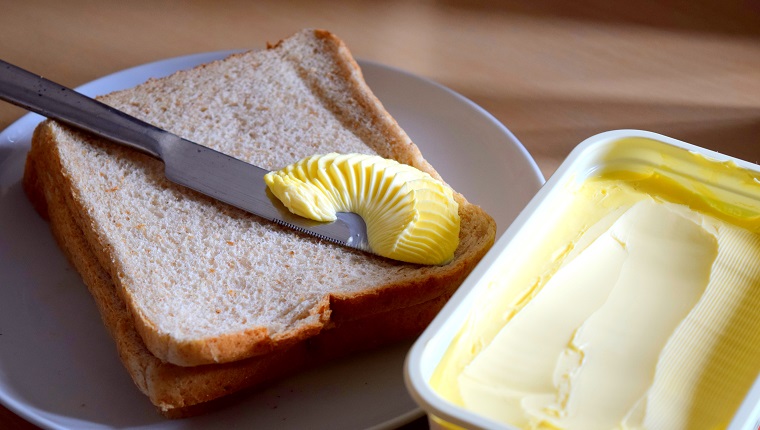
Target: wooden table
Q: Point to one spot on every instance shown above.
(554, 72)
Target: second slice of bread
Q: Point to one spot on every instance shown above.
(204, 282)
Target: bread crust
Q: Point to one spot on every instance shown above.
(49, 169)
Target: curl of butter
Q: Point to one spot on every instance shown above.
(410, 216)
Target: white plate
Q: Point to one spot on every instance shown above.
(58, 366)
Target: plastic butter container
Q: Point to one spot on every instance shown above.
(625, 295)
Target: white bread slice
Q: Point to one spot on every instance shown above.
(179, 391)
(204, 282)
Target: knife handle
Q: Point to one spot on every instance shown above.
(49, 99)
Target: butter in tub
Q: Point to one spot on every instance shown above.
(630, 298)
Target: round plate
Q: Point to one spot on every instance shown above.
(58, 366)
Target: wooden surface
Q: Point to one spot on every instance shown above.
(552, 71)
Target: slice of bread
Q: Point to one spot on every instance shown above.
(183, 280)
(179, 391)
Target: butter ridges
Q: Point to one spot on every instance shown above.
(410, 216)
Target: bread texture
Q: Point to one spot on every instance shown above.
(201, 298)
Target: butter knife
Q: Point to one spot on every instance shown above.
(186, 163)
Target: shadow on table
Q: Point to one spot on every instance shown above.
(735, 17)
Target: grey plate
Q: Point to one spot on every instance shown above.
(58, 366)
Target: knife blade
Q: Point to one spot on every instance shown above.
(186, 163)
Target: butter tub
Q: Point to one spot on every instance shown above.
(625, 295)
